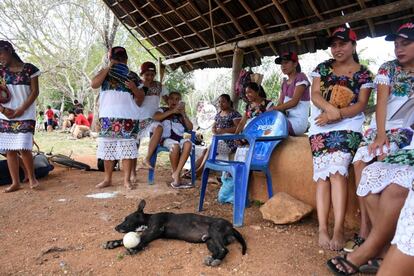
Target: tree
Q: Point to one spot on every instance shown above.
(66, 39)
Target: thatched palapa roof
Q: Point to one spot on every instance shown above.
(203, 33)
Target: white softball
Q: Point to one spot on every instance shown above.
(131, 239)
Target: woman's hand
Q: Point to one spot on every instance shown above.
(322, 119)
(333, 114)
(131, 85)
(379, 143)
(17, 113)
(8, 112)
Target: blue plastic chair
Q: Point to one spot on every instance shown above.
(263, 134)
(159, 149)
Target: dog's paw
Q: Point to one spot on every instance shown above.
(131, 251)
(208, 260)
(111, 244)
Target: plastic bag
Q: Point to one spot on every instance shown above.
(226, 192)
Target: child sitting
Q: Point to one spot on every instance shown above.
(175, 122)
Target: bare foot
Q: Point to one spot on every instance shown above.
(12, 188)
(104, 184)
(337, 242)
(176, 177)
(324, 239)
(128, 185)
(34, 184)
(133, 178)
(146, 164)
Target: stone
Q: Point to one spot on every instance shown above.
(284, 209)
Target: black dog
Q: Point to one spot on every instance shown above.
(216, 232)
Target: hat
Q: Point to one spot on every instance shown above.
(148, 66)
(118, 53)
(344, 34)
(5, 45)
(405, 31)
(292, 56)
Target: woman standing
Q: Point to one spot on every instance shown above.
(340, 92)
(121, 94)
(18, 113)
(294, 97)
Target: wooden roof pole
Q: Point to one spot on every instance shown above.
(316, 12)
(257, 21)
(329, 23)
(369, 21)
(155, 29)
(236, 24)
(172, 25)
(286, 17)
(235, 71)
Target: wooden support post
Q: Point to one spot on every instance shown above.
(161, 70)
(236, 68)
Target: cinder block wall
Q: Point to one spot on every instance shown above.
(291, 167)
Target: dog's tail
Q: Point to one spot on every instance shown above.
(240, 239)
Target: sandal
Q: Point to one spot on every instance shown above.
(353, 244)
(344, 264)
(181, 185)
(371, 267)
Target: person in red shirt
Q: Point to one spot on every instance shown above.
(81, 127)
(50, 115)
(90, 118)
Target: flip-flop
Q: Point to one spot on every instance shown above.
(371, 267)
(343, 263)
(181, 185)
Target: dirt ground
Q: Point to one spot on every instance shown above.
(59, 231)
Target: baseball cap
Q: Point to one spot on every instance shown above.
(287, 56)
(343, 33)
(405, 31)
(147, 66)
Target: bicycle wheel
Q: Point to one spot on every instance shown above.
(68, 162)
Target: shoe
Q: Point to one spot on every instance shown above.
(353, 244)
(181, 185)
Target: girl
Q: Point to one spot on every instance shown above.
(257, 105)
(294, 97)
(18, 115)
(386, 135)
(340, 92)
(118, 115)
(384, 184)
(225, 122)
(149, 107)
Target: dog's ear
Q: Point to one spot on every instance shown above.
(141, 206)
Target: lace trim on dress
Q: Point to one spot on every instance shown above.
(16, 141)
(404, 234)
(117, 149)
(331, 163)
(382, 79)
(377, 176)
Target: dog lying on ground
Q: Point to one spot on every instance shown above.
(216, 232)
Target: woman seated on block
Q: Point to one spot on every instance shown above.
(175, 122)
(81, 128)
(294, 97)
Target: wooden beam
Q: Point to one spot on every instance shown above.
(329, 23)
(369, 21)
(206, 21)
(285, 17)
(155, 28)
(236, 24)
(257, 21)
(316, 12)
(236, 68)
(187, 23)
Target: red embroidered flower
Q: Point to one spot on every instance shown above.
(128, 125)
(116, 126)
(317, 142)
(382, 71)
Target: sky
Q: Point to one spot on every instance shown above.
(375, 49)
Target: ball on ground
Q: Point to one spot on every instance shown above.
(131, 239)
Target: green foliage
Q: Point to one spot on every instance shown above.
(179, 81)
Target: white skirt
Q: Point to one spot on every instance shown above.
(331, 163)
(116, 149)
(363, 155)
(404, 235)
(16, 141)
(377, 176)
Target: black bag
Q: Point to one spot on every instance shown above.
(101, 166)
(41, 165)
